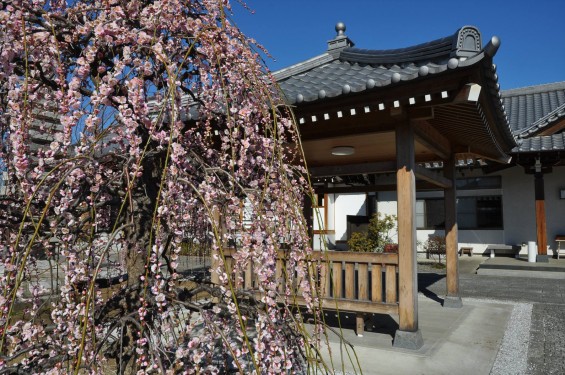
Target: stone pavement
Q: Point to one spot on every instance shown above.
(546, 351)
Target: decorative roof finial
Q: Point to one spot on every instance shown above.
(340, 28)
(340, 41)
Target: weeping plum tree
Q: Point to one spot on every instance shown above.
(136, 126)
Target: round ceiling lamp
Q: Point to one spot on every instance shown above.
(343, 150)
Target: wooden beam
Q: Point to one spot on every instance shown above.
(432, 139)
(469, 93)
(406, 196)
(421, 113)
(352, 169)
(451, 236)
(420, 186)
(450, 82)
(335, 127)
(433, 177)
(553, 129)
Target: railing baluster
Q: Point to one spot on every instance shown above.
(350, 280)
(324, 281)
(336, 280)
(362, 281)
(390, 283)
(279, 276)
(376, 283)
(248, 276)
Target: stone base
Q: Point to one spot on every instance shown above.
(408, 340)
(452, 302)
(542, 258)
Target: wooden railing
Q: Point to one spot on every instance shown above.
(362, 283)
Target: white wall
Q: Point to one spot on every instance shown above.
(518, 204)
(347, 204)
(554, 207)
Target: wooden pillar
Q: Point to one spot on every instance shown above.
(540, 216)
(452, 299)
(408, 334)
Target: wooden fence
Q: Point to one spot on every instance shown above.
(361, 283)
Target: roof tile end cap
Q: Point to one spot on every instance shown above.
(467, 42)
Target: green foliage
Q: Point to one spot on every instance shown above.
(379, 234)
(361, 243)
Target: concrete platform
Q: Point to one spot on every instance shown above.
(520, 267)
(456, 341)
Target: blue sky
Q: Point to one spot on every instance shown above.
(532, 32)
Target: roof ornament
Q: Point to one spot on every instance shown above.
(341, 41)
(340, 29)
(467, 42)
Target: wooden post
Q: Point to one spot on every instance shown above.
(408, 335)
(453, 299)
(540, 217)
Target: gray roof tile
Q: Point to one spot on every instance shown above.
(346, 70)
(349, 69)
(533, 108)
(555, 142)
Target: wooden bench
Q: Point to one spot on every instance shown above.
(560, 238)
(468, 250)
(375, 291)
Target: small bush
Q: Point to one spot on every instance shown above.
(435, 245)
(378, 235)
(361, 243)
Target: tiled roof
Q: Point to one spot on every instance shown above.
(530, 109)
(555, 142)
(350, 70)
(343, 70)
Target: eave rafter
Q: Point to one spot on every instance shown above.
(433, 177)
(427, 135)
(353, 169)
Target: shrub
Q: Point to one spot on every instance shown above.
(435, 245)
(379, 234)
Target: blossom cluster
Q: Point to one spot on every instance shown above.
(128, 129)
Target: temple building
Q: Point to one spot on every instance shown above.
(425, 133)
(507, 146)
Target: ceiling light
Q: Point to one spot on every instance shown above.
(343, 150)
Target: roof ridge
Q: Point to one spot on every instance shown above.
(303, 66)
(543, 121)
(413, 53)
(465, 43)
(534, 89)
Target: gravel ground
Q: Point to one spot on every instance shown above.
(512, 357)
(547, 340)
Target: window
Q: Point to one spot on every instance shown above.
(490, 182)
(320, 213)
(475, 212)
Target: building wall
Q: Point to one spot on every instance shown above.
(554, 206)
(518, 204)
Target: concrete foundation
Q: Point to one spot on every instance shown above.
(452, 302)
(408, 340)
